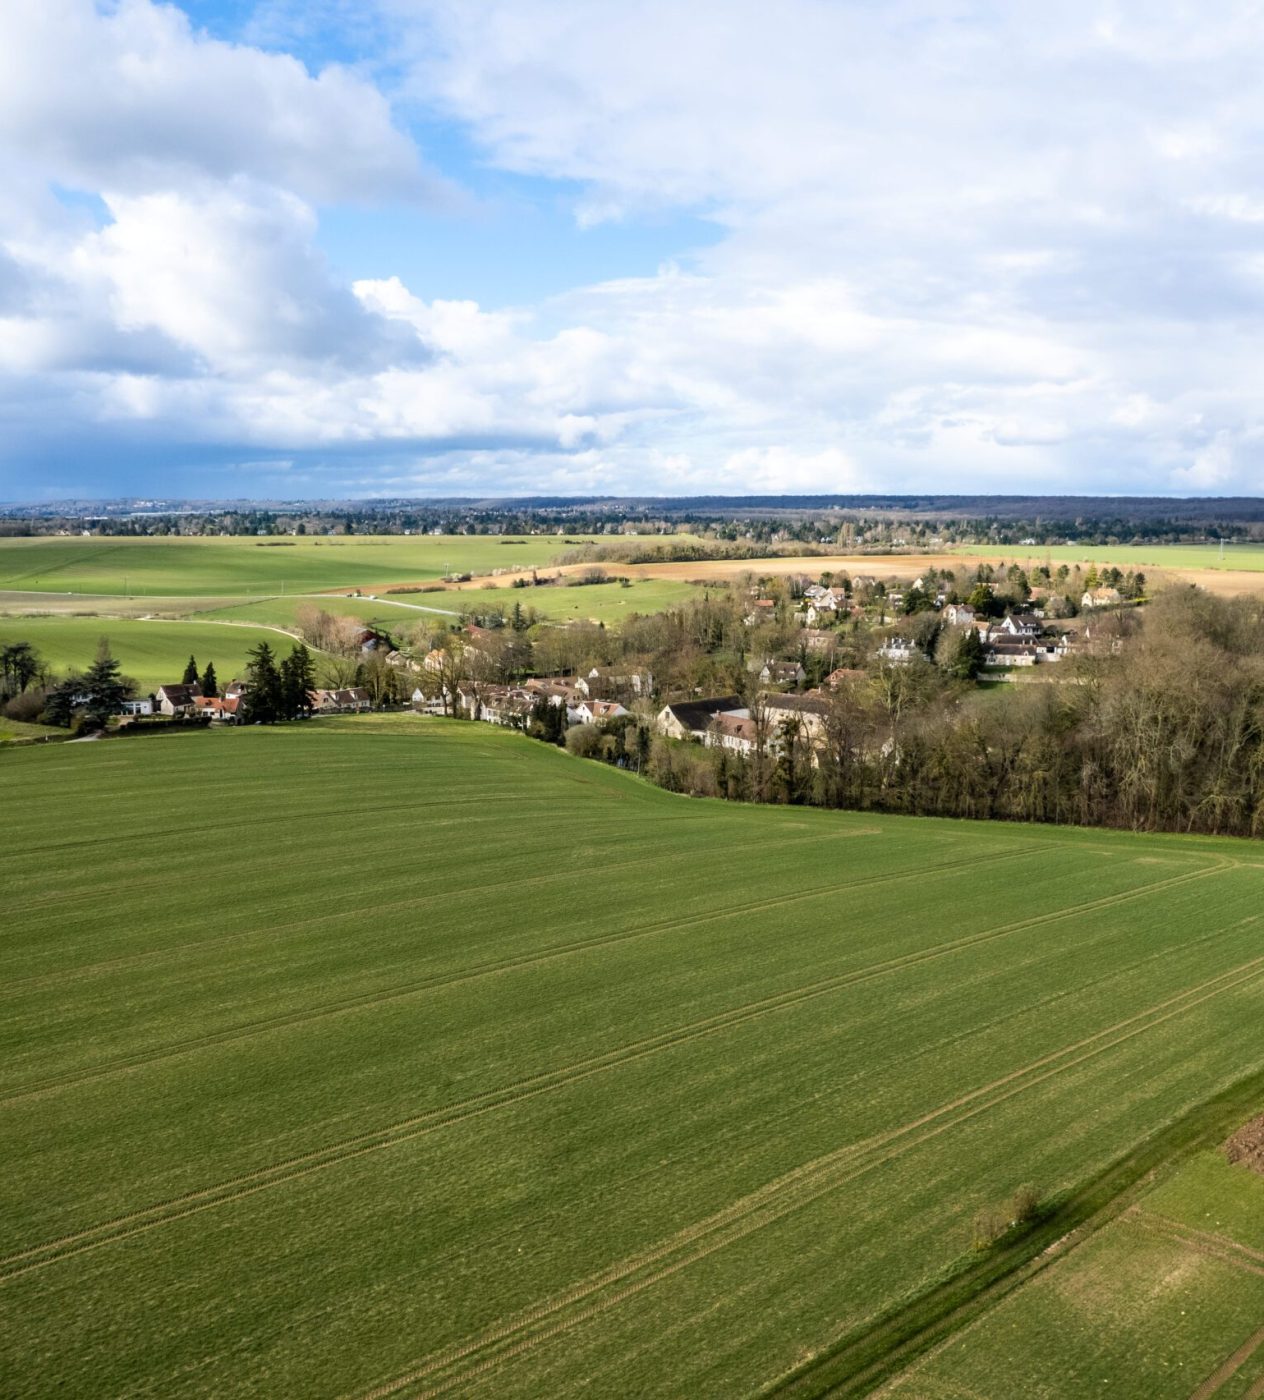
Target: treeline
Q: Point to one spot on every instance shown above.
(271, 689)
(1157, 725)
(1159, 731)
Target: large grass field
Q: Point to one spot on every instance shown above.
(151, 653)
(1247, 558)
(598, 602)
(1164, 1303)
(394, 1056)
(236, 565)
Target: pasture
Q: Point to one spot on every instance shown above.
(150, 653)
(1239, 558)
(236, 565)
(444, 1063)
(1167, 1301)
(597, 602)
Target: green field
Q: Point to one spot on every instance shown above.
(151, 653)
(192, 566)
(1164, 1301)
(1249, 558)
(599, 602)
(11, 729)
(441, 1062)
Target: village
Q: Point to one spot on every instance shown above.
(755, 667)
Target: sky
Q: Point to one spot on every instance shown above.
(358, 248)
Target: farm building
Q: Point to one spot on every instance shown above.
(690, 719)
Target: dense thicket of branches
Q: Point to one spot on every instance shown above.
(1164, 733)
(1157, 726)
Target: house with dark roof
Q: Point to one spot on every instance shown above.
(1022, 624)
(690, 719)
(348, 700)
(177, 700)
(782, 673)
(806, 712)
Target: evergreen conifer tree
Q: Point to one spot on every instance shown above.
(210, 683)
(298, 677)
(59, 706)
(190, 676)
(262, 700)
(968, 661)
(105, 689)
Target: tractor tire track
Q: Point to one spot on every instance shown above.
(797, 1189)
(555, 952)
(249, 1183)
(57, 979)
(1204, 1241)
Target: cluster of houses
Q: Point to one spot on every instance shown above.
(727, 722)
(1019, 639)
(591, 698)
(188, 702)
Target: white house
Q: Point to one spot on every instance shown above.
(598, 711)
(736, 733)
(177, 700)
(1023, 624)
(782, 673)
(897, 650)
(348, 700)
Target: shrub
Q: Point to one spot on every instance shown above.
(1025, 1205)
(28, 706)
(988, 1226)
(584, 741)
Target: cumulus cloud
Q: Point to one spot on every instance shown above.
(132, 99)
(960, 245)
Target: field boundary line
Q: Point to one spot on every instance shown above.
(807, 1183)
(552, 953)
(303, 1164)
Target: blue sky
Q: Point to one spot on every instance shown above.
(316, 247)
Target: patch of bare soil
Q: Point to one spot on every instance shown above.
(1247, 1145)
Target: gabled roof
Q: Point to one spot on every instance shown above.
(737, 726)
(800, 704)
(697, 714)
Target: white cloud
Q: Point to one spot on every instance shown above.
(132, 99)
(962, 245)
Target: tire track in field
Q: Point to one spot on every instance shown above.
(407, 847)
(773, 1202)
(511, 964)
(1205, 1241)
(406, 1130)
(89, 970)
(348, 816)
(1230, 1368)
(87, 556)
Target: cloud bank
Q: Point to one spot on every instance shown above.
(959, 245)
